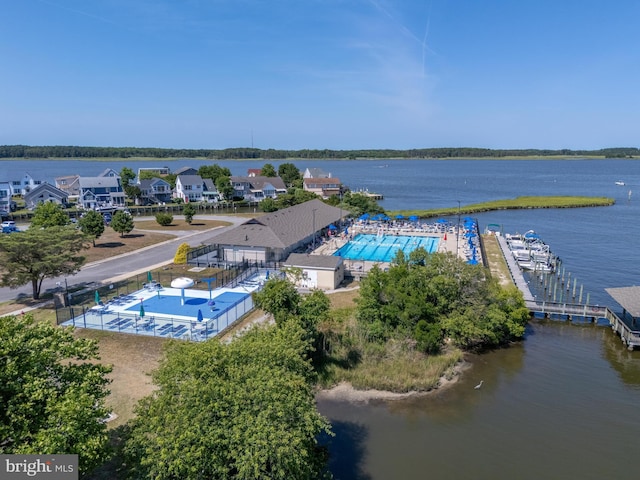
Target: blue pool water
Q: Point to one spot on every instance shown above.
(383, 248)
(169, 305)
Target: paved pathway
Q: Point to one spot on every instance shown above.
(128, 264)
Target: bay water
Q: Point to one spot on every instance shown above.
(562, 404)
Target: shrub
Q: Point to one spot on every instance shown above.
(164, 219)
(181, 253)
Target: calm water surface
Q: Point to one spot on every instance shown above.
(564, 403)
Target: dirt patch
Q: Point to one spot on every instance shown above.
(345, 391)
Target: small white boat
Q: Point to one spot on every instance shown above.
(620, 183)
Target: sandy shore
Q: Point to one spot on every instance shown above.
(345, 391)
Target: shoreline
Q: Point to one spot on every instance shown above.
(345, 392)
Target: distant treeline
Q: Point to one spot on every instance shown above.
(24, 151)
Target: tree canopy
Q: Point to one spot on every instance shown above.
(430, 297)
(244, 410)
(52, 392)
(92, 225)
(49, 214)
(122, 222)
(36, 254)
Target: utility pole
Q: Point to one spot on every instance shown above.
(458, 230)
(314, 228)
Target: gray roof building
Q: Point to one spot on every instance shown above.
(272, 237)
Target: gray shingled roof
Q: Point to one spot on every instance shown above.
(315, 261)
(628, 298)
(282, 228)
(99, 182)
(259, 182)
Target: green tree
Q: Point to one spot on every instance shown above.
(268, 170)
(37, 254)
(92, 225)
(213, 172)
(224, 187)
(290, 174)
(164, 218)
(279, 297)
(133, 192)
(126, 176)
(122, 222)
(268, 205)
(244, 410)
(51, 392)
(188, 211)
(49, 214)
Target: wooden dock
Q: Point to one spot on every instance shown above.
(568, 311)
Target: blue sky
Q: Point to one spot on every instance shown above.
(338, 74)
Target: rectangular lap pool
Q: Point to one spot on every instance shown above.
(383, 248)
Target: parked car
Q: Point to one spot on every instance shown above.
(9, 226)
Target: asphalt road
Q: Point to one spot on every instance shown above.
(128, 264)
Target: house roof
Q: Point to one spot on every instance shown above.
(186, 171)
(327, 262)
(149, 182)
(99, 182)
(628, 298)
(322, 181)
(190, 180)
(316, 173)
(259, 182)
(209, 186)
(45, 187)
(283, 228)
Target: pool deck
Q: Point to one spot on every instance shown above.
(122, 314)
(448, 242)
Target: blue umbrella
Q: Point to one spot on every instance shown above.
(267, 275)
(399, 216)
(364, 216)
(149, 277)
(141, 310)
(413, 218)
(97, 297)
(200, 315)
(332, 227)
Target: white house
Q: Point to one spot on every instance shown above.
(45, 193)
(189, 188)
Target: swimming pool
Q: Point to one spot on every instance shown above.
(383, 248)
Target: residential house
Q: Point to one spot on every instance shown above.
(45, 193)
(154, 190)
(101, 191)
(24, 185)
(5, 197)
(323, 186)
(256, 189)
(210, 193)
(273, 236)
(254, 172)
(189, 188)
(70, 184)
(109, 172)
(315, 173)
(186, 171)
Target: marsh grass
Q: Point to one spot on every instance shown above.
(513, 204)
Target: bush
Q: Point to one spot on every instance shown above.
(181, 254)
(164, 219)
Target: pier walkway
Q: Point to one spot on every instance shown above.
(567, 311)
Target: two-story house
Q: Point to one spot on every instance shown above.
(324, 187)
(70, 184)
(256, 189)
(155, 190)
(96, 192)
(45, 193)
(5, 197)
(24, 185)
(189, 188)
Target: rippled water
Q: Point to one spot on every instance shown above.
(564, 403)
